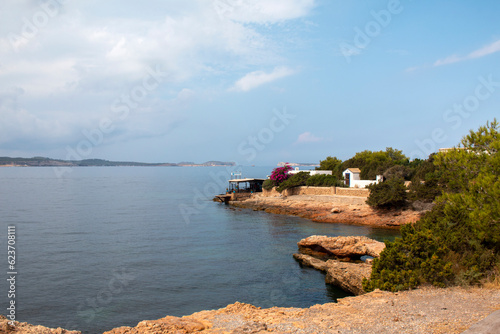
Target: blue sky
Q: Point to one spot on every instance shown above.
(255, 82)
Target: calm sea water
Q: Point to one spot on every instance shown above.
(107, 247)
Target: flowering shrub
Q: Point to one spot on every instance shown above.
(280, 174)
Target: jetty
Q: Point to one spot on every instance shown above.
(224, 198)
(240, 189)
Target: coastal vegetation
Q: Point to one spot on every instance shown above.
(323, 181)
(282, 180)
(458, 241)
(371, 163)
(295, 180)
(389, 194)
(278, 176)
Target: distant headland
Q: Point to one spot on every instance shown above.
(48, 162)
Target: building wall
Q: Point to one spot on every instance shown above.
(361, 183)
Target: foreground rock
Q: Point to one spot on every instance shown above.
(25, 328)
(346, 275)
(422, 311)
(344, 247)
(164, 325)
(347, 210)
(317, 250)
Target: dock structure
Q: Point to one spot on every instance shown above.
(245, 185)
(224, 198)
(240, 189)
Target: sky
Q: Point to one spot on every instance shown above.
(254, 82)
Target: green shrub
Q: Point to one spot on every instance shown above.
(296, 180)
(426, 191)
(268, 184)
(415, 258)
(322, 181)
(387, 195)
(398, 171)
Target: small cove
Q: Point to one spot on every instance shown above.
(111, 246)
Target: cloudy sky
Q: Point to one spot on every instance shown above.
(250, 81)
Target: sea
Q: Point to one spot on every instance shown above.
(103, 247)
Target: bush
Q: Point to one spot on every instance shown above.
(399, 171)
(390, 194)
(296, 180)
(280, 174)
(426, 184)
(415, 258)
(322, 181)
(426, 191)
(268, 184)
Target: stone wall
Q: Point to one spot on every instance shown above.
(270, 193)
(329, 191)
(305, 190)
(359, 192)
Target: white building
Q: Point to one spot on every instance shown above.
(311, 172)
(353, 179)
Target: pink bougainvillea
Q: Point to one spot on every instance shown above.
(280, 174)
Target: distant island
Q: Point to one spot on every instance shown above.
(48, 162)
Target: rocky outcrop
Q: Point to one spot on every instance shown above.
(317, 251)
(25, 328)
(165, 325)
(342, 247)
(346, 275)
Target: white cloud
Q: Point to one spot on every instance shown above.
(484, 51)
(21, 127)
(255, 79)
(262, 11)
(307, 137)
(84, 55)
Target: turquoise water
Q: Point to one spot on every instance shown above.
(104, 247)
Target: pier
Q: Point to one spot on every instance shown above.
(240, 189)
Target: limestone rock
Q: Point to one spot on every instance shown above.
(310, 261)
(350, 247)
(336, 210)
(165, 325)
(25, 328)
(346, 275)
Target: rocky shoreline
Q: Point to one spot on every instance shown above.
(425, 310)
(330, 209)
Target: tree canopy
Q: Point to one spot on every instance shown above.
(458, 241)
(370, 163)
